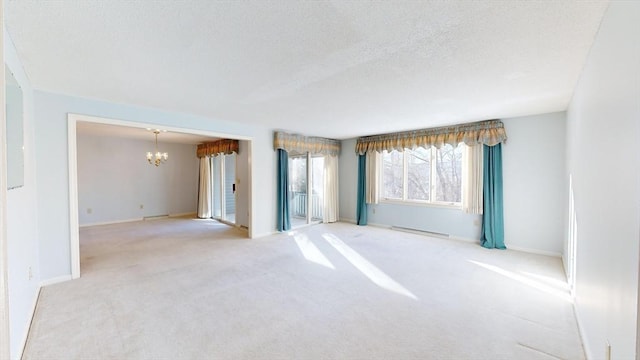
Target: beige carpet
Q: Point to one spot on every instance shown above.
(189, 289)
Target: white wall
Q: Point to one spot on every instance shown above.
(22, 232)
(52, 166)
(533, 160)
(348, 180)
(114, 179)
(533, 190)
(242, 188)
(603, 158)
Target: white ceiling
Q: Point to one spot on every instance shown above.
(325, 68)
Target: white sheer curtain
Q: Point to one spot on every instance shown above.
(472, 179)
(204, 191)
(371, 178)
(330, 209)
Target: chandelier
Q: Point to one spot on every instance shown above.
(158, 157)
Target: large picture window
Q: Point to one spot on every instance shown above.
(423, 175)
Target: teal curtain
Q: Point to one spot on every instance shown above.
(284, 218)
(493, 212)
(361, 210)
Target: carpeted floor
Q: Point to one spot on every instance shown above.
(192, 289)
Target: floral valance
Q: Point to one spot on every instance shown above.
(302, 144)
(224, 146)
(489, 132)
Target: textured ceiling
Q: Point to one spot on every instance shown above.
(326, 68)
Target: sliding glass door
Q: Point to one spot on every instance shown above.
(306, 185)
(223, 187)
(229, 187)
(317, 188)
(298, 189)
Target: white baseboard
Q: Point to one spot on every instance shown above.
(111, 222)
(460, 238)
(55, 280)
(352, 221)
(427, 234)
(469, 240)
(384, 226)
(183, 214)
(534, 251)
(564, 266)
(25, 336)
(268, 233)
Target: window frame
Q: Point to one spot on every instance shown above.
(432, 183)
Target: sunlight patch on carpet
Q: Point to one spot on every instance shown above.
(310, 251)
(561, 293)
(374, 274)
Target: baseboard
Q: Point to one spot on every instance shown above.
(192, 214)
(429, 234)
(55, 280)
(242, 228)
(459, 238)
(25, 336)
(155, 217)
(264, 234)
(469, 240)
(111, 222)
(534, 251)
(352, 221)
(383, 226)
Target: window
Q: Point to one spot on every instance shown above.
(423, 175)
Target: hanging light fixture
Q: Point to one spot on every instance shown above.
(158, 157)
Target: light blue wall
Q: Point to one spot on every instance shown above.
(603, 159)
(22, 231)
(533, 161)
(114, 179)
(435, 219)
(420, 217)
(534, 190)
(348, 180)
(52, 166)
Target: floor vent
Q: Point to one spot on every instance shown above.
(418, 231)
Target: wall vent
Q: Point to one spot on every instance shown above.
(418, 231)
(155, 217)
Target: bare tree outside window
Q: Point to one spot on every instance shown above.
(418, 174)
(431, 175)
(392, 164)
(449, 173)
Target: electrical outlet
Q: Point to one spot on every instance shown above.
(30, 273)
(476, 222)
(89, 210)
(373, 210)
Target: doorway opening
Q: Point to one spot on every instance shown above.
(74, 222)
